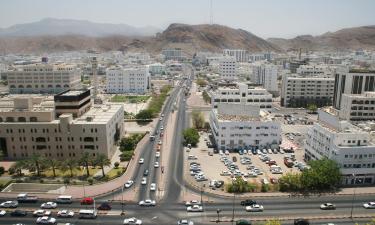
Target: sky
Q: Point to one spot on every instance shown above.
(265, 18)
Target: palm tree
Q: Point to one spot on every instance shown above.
(53, 164)
(69, 164)
(102, 161)
(36, 162)
(18, 166)
(85, 161)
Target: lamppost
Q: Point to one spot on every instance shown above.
(218, 215)
(122, 201)
(351, 211)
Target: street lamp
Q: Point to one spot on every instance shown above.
(218, 217)
(122, 201)
(355, 187)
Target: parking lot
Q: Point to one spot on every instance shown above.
(203, 166)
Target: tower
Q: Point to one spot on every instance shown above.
(94, 66)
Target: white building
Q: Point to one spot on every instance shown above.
(314, 70)
(228, 68)
(240, 126)
(266, 75)
(128, 80)
(43, 78)
(300, 91)
(41, 125)
(156, 68)
(357, 107)
(352, 147)
(173, 54)
(239, 54)
(242, 94)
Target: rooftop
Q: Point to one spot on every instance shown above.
(73, 93)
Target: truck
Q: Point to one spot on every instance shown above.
(25, 198)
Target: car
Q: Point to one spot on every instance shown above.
(2, 213)
(160, 142)
(144, 181)
(160, 119)
(157, 154)
(141, 161)
(226, 152)
(327, 206)
(161, 128)
(248, 202)
(48, 205)
(195, 208)
(9, 204)
(65, 213)
(162, 115)
(147, 202)
(192, 157)
(87, 201)
(46, 220)
(129, 183)
(18, 213)
(224, 173)
(243, 222)
(145, 172)
(369, 205)
(192, 202)
(301, 221)
(185, 222)
(254, 208)
(153, 187)
(132, 221)
(41, 212)
(104, 206)
(156, 164)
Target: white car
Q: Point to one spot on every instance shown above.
(185, 222)
(224, 173)
(254, 208)
(46, 220)
(153, 187)
(131, 221)
(369, 205)
(2, 212)
(147, 202)
(195, 208)
(41, 212)
(192, 202)
(144, 181)
(141, 160)
(327, 206)
(129, 183)
(161, 128)
(157, 154)
(156, 164)
(65, 213)
(160, 142)
(48, 205)
(9, 204)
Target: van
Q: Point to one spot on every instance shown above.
(64, 199)
(87, 214)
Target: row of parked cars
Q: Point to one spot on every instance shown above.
(196, 171)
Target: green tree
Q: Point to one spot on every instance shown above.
(191, 136)
(85, 161)
(198, 119)
(201, 82)
(239, 185)
(53, 164)
(145, 114)
(69, 164)
(290, 182)
(18, 166)
(102, 161)
(206, 97)
(127, 144)
(36, 163)
(312, 108)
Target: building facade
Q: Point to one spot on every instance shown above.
(352, 147)
(228, 68)
(266, 75)
(128, 80)
(239, 54)
(357, 107)
(43, 78)
(240, 126)
(173, 54)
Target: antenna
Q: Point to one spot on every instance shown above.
(211, 14)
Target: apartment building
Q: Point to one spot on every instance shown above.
(228, 68)
(173, 54)
(266, 75)
(122, 80)
(357, 107)
(240, 126)
(240, 55)
(156, 68)
(28, 125)
(352, 81)
(352, 147)
(300, 91)
(314, 70)
(241, 93)
(43, 78)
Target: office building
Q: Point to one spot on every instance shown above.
(239, 126)
(357, 107)
(352, 147)
(239, 54)
(156, 69)
(122, 80)
(266, 75)
(228, 68)
(173, 54)
(294, 64)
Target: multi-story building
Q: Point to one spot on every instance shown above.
(352, 81)
(357, 107)
(228, 68)
(173, 54)
(266, 75)
(300, 91)
(156, 68)
(352, 147)
(28, 125)
(128, 80)
(241, 93)
(313, 70)
(239, 54)
(294, 64)
(43, 78)
(241, 126)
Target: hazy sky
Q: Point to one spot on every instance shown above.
(265, 18)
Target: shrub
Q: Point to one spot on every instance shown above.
(2, 170)
(66, 181)
(90, 180)
(265, 188)
(41, 181)
(11, 171)
(116, 164)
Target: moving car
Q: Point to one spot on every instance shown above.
(301, 221)
(195, 208)
(2, 213)
(87, 201)
(145, 173)
(141, 160)
(192, 202)
(65, 213)
(131, 221)
(254, 208)
(48, 205)
(157, 154)
(41, 212)
(248, 202)
(46, 220)
(327, 206)
(9, 204)
(129, 183)
(153, 187)
(147, 202)
(369, 205)
(156, 164)
(104, 206)
(185, 222)
(144, 181)
(18, 213)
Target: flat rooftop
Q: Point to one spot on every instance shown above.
(98, 114)
(73, 93)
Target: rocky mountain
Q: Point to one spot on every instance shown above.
(190, 38)
(56, 27)
(345, 39)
